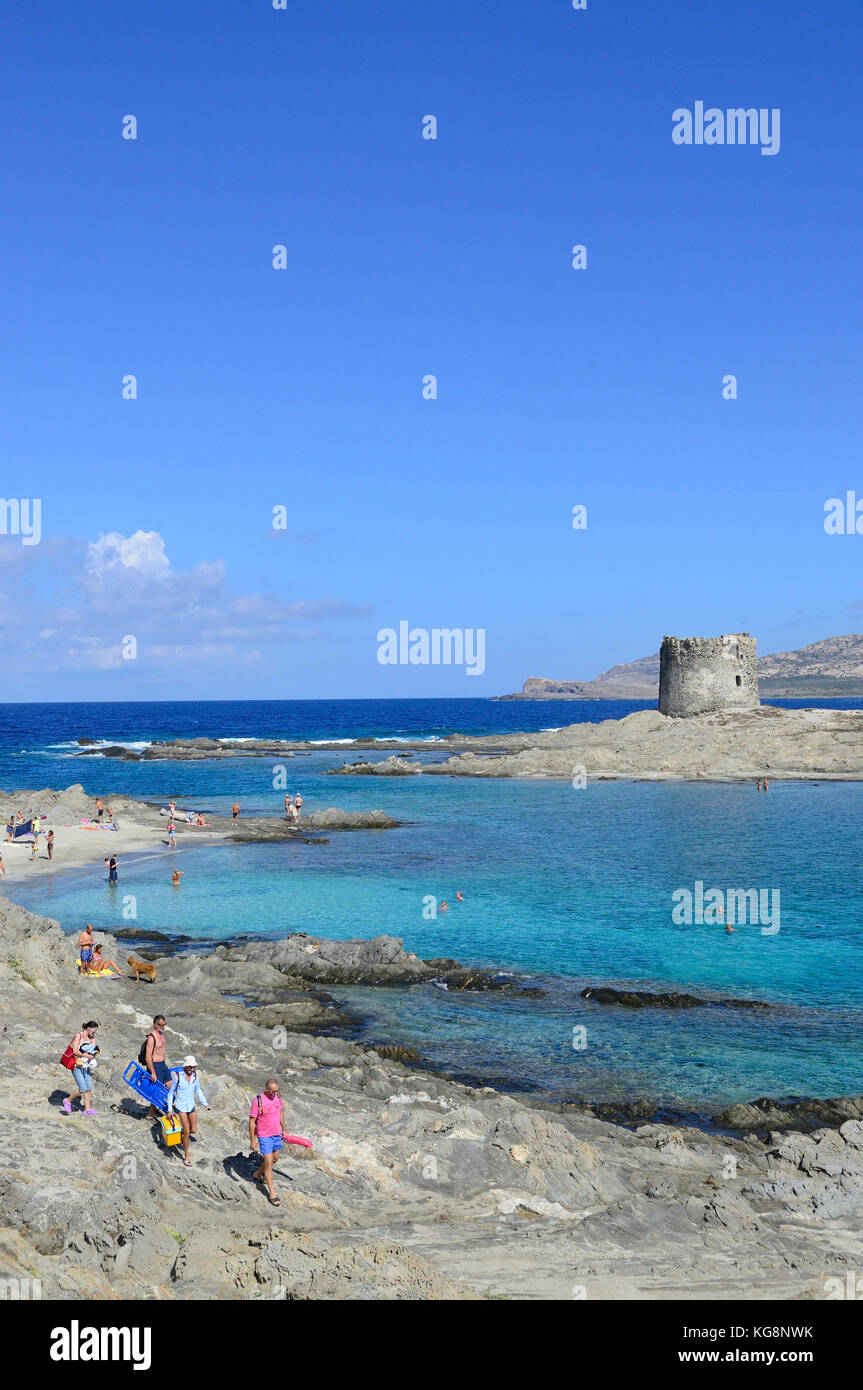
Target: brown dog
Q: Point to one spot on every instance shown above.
(140, 967)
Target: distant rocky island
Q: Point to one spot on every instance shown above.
(831, 667)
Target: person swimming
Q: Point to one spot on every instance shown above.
(444, 907)
(459, 898)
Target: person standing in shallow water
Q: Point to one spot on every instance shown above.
(235, 811)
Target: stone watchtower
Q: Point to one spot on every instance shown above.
(698, 675)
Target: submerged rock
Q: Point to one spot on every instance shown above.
(643, 999)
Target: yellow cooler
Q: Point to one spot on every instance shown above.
(172, 1130)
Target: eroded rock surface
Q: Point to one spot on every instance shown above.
(417, 1188)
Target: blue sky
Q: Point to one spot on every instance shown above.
(406, 256)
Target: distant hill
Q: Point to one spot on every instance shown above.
(643, 672)
(831, 667)
(833, 656)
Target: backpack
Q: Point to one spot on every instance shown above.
(142, 1055)
(260, 1099)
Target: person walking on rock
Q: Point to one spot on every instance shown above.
(155, 1058)
(83, 1045)
(183, 1096)
(266, 1132)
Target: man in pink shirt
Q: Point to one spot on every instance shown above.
(266, 1131)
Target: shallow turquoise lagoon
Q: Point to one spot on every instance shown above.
(573, 887)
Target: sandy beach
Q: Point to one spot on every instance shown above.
(142, 829)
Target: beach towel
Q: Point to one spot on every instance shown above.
(99, 974)
(26, 828)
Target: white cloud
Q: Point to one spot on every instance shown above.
(143, 552)
(76, 602)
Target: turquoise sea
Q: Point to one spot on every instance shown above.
(567, 887)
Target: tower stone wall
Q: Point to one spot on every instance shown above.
(698, 675)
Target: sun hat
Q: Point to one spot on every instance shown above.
(189, 1062)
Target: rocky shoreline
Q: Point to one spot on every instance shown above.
(730, 745)
(418, 1186)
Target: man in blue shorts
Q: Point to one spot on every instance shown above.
(155, 1059)
(266, 1131)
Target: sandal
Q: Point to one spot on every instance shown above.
(274, 1201)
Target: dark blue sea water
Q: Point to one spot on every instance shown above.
(570, 887)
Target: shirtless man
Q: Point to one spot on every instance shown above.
(100, 811)
(156, 1060)
(85, 949)
(235, 810)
